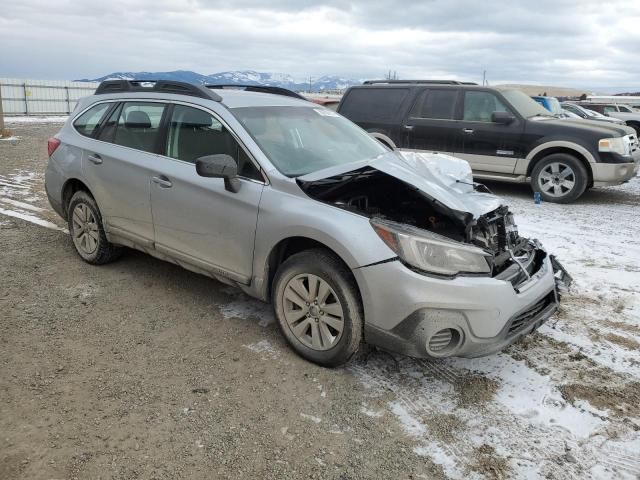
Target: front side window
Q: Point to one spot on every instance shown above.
(301, 140)
(194, 133)
(138, 125)
(625, 109)
(87, 123)
(478, 106)
(436, 104)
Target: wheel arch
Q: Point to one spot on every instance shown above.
(289, 246)
(577, 151)
(383, 138)
(70, 187)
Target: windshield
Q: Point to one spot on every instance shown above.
(302, 140)
(524, 104)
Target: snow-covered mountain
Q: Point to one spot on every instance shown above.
(239, 77)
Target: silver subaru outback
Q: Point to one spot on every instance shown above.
(294, 204)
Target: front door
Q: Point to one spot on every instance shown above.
(196, 219)
(486, 145)
(118, 168)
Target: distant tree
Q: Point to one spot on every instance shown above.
(583, 96)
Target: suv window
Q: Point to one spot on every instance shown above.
(437, 104)
(194, 133)
(624, 108)
(138, 125)
(609, 109)
(87, 122)
(373, 104)
(478, 106)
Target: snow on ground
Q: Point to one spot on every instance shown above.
(563, 403)
(36, 119)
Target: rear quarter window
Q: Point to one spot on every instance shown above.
(373, 104)
(87, 123)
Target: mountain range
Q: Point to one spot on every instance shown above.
(240, 77)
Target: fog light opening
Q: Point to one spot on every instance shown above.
(444, 342)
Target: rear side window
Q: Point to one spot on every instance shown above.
(138, 125)
(436, 104)
(373, 104)
(87, 123)
(194, 133)
(609, 109)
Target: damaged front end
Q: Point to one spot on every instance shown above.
(428, 210)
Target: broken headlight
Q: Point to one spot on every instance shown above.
(431, 252)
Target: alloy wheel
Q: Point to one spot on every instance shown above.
(313, 311)
(85, 229)
(557, 179)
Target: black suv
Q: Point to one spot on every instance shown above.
(503, 134)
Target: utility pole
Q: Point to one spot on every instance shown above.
(310, 84)
(1, 114)
(484, 78)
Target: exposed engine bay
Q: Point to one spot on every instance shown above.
(373, 193)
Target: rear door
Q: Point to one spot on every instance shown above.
(431, 124)
(119, 164)
(486, 145)
(195, 218)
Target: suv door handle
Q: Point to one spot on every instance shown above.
(408, 127)
(95, 158)
(468, 131)
(163, 181)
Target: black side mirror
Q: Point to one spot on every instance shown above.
(504, 118)
(219, 166)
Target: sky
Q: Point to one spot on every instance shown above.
(579, 43)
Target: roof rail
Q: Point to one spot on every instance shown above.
(260, 89)
(417, 82)
(156, 86)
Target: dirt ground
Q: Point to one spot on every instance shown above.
(140, 369)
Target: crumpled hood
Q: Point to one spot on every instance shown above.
(443, 178)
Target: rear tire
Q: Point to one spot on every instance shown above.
(560, 178)
(87, 231)
(318, 307)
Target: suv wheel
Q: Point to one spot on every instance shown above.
(318, 308)
(87, 232)
(560, 178)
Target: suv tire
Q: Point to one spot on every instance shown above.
(87, 231)
(560, 178)
(318, 307)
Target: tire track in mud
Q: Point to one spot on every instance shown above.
(18, 196)
(529, 446)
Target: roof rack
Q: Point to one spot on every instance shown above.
(417, 82)
(259, 88)
(156, 86)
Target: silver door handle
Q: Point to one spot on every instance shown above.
(162, 181)
(408, 127)
(467, 130)
(95, 159)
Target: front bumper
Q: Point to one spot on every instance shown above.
(424, 316)
(606, 174)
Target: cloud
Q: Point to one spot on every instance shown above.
(551, 42)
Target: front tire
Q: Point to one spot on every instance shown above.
(87, 232)
(560, 178)
(318, 308)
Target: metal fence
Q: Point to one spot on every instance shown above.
(41, 97)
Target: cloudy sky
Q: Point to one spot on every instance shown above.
(579, 43)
